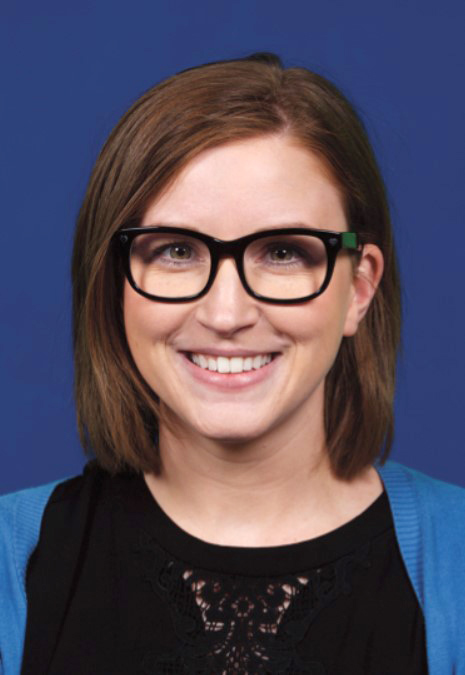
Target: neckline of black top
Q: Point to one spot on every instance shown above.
(145, 513)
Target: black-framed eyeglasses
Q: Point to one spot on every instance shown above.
(281, 266)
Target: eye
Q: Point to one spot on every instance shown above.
(289, 254)
(178, 251)
(168, 252)
(282, 254)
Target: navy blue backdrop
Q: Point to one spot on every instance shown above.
(71, 69)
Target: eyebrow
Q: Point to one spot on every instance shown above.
(275, 226)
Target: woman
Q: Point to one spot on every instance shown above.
(236, 323)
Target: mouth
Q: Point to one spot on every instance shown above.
(231, 365)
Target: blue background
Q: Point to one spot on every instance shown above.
(70, 71)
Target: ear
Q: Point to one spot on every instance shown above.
(364, 284)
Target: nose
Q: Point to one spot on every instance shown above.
(227, 308)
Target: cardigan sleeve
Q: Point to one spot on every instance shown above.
(20, 520)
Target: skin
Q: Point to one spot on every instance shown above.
(260, 449)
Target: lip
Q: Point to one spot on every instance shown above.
(229, 381)
(229, 353)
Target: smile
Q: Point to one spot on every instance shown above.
(235, 364)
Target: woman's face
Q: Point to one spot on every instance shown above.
(228, 192)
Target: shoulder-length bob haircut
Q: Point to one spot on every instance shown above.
(197, 109)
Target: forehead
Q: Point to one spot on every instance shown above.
(248, 185)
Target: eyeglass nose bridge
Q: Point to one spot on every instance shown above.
(221, 250)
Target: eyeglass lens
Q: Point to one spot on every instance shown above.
(281, 267)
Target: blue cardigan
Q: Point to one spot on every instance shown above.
(429, 518)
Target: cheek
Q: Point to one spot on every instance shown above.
(136, 321)
(316, 330)
(147, 324)
(321, 318)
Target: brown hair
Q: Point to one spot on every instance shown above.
(170, 124)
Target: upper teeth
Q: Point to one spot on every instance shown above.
(235, 364)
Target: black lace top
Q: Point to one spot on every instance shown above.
(115, 587)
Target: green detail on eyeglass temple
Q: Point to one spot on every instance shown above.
(349, 240)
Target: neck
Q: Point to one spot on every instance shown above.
(273, 490)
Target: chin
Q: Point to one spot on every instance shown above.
(231, 431)
(231, 435)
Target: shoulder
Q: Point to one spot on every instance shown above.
(406, 486)
(429, 514)
(21, 512)
(429, 520)
(21, 515)
(20, 518)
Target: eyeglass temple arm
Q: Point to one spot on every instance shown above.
(350, 240)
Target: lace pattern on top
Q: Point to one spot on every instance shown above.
(238, 625)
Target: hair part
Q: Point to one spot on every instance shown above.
(200, 108)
